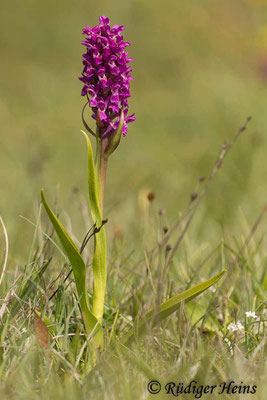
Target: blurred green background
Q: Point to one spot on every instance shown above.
(200, 69)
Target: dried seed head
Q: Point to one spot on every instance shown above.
(242, 129)
(150, 196)
(193, 196)
(168, 248)
(75, 190)
(165, 229)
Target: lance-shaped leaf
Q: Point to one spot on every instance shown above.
(116, 138)
(77, 264)
(99, 260)
(170, 306)
(93, 184)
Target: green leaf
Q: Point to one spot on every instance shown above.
(77, 264)
(93, 184)
(264, 285)
(99, 261)
(195, 313)
(170, 306)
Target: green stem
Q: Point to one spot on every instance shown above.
(96, 184)
(96, 193)
(103, 164)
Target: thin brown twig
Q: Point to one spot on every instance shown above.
(191, 210)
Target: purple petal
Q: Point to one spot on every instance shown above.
(106, 75)
(104, 20)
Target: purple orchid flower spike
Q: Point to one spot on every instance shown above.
(106, 77)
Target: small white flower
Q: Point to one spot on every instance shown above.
(235, 327)
(251, 314)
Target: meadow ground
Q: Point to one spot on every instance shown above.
(199, 71)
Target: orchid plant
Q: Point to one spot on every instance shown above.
(106, 80)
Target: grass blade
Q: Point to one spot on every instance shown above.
(27, 289)
(170, 306)
(5, 251)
